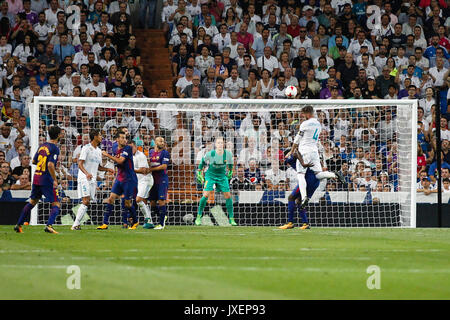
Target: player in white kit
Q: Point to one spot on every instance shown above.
(88, 166)
(145, 183)
(306, 141)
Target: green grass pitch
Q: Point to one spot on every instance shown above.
(255, 263)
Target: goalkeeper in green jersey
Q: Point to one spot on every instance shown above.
(220, 171)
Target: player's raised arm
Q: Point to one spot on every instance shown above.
(118, 160)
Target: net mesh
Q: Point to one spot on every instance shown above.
(371, 143)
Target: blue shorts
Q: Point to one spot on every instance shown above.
(51, 194)
(159, 191)
(127, 189)
(296, 192)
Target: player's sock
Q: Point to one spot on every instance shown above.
(125, 212)
(291, 210)
(133, 213)
(155, 210)
(302, 185)
(146, 210)
(108, 211)
(229, 205)
(303, 215)
(53, 214)
(26, 211)
(326, 175)
(162, 214)
(201, 206)
(80, 214)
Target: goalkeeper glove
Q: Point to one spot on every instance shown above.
(229, 174)
(200, 178)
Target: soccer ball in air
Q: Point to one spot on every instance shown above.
(290, 92)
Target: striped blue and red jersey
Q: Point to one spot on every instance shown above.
(125, 172)
(47, 152)
(158, 158)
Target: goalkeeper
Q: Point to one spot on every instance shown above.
(218, 161)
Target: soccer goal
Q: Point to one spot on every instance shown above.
(372, 142)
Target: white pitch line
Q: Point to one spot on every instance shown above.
(233, 268)
(218, 250)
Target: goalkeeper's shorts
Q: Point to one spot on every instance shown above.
(222, 185)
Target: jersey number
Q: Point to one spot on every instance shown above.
(42, 160)
(316, 135)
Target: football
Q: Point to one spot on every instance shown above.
(290, 92)
(188, 218)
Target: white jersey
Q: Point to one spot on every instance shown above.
(307, 138)
(92, 159)
(140, 161)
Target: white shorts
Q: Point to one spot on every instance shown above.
(310, 158)
(144, 187)
(87, 188)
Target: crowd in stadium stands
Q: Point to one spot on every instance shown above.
(238, 49)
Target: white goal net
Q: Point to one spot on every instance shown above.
(373, 143)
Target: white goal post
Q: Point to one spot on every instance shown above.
(384, 198)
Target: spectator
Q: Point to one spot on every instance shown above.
(253, 173)
(258, 46)
(265, 84)
(348, 70)
(427, 188)
(446, 185)
(277, 92)
(5, 173)
(22, 183)
(203, 91)
(234, 85)
(220, 69)
(275, 178)
(222, 39)
(181, 146)
(240, 182)
(23, 165)
(65, 48)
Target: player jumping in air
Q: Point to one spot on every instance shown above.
(159, 160)
(125, 183)
(312, 183)
(88, 166)
(219, 160)
(306, 142)
(145, 183)
(44, 181)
